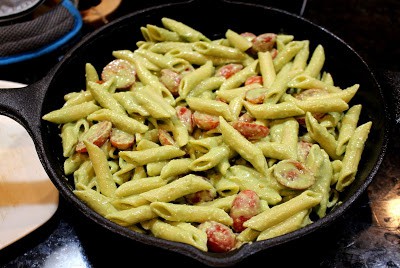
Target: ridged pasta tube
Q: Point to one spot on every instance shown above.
(138, 186)
(289, 225)
(242, 146)
(347, 128)
(123, 122)
(321, 135)
(187, 213)
(215, 50)
(96, 201)
(144, 157)
(71, 113)
(191, 80)
(177, 188)
(352, 156)
(319, 163)
(211, 159)
(170, 232)
(104, 177)
(103, 97)
(160, 34)
(132, 216)
(183, 30)
(284, 211)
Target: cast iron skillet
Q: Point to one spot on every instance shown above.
(28, 105)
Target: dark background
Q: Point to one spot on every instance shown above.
(371, 27)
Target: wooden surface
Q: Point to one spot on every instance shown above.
(99, 14)
(27, 196)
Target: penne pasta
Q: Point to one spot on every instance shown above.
(188, 139)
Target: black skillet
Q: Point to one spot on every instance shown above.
(213, 18)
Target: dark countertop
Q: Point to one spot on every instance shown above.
(368, 235)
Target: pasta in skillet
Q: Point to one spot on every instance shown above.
(212, 143)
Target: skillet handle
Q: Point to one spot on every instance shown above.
(24, 105)
(390, 81)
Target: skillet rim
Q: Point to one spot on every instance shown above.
(246, 250)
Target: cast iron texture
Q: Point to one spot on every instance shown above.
(28, 105)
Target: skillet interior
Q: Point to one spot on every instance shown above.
(346, 67)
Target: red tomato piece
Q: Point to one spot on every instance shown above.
(123, 72)
(97, 134)
(185, 116)
(256, 95)
(120, 139)
(229, 70)
(221, 99)
(274, 53)
(246, 117)
(312, 92)
(165, 138)
(171, 80)
(264, 42)
(220, 238)
(303, 148)
(201, 196)
(205, 121)
(302, 119)
(254, 79)
(293, 174)
(251, 131)
(245, 205)
(249, 36)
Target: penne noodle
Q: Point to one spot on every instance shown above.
(186, 138)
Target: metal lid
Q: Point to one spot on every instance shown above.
(11, 9)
